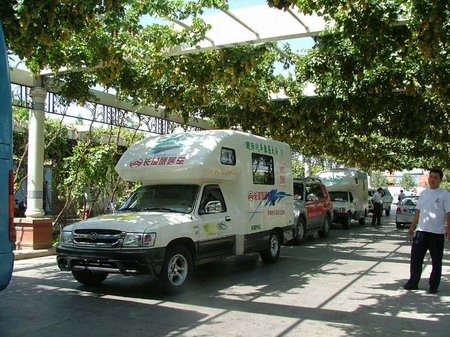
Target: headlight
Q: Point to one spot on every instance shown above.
(66, 237)
(139, 240)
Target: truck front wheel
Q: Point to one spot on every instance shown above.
(176, 269)
(272, 253)
(89, 278)
(347, 220)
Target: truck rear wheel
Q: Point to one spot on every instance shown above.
(325, 231)
(89, 278)
(300, 233)
(272, 253)
(388, 211)
(176, 269)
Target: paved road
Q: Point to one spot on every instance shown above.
(344, 285)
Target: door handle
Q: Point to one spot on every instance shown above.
(227, 218)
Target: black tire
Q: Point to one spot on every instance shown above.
(398, 225)
(176, 270)
(272, 253)
(347, 220)
(325, 230)
(300, 231)
(362, 221)
(388, 211)
(89, 278)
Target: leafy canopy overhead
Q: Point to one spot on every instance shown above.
(381, 71)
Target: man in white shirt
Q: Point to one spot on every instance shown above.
(377, 207)
(429, 223)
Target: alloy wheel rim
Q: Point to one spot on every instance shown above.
(178, 269)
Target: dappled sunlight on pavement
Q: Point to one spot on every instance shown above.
(348, 284)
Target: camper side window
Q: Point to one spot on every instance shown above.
(263, 172)
(212, 200)
(227, 156)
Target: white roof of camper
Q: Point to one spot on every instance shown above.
(339, 177)
(192, 155)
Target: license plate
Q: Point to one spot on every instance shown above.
(412, 210)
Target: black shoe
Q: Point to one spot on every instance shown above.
(408, 286)
(432, 291)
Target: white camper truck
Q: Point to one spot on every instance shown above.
(348, 190)
(204, 195)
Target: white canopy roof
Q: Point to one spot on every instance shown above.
(252, 25)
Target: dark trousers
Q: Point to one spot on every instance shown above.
(422, 242)
(377, 210)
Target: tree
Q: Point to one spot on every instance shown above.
(378, 179)
(446, 180)
(298, 169)
(381, 70)
(407, 182)
(375, 78)
(79, 168)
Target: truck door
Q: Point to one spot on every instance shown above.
(314, 204)
(216, 233)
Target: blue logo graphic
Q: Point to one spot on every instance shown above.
(272, 198)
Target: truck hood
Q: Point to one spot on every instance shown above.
(131, 221)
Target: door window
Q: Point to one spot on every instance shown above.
(314, 192)
(298, 191)
(212, 200)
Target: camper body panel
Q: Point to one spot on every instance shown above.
(234, 191)
(348, 189)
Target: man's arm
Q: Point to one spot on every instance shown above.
(415, 220)
(447, 228)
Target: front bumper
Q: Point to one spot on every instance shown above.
(145, 262)
(338, 214)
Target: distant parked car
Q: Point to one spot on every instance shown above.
(387, 200)
(406, 210)
(312, 208)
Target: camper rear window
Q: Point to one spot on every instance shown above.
(227, 156)
(263, 172)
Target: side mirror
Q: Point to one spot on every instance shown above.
(213, 207)
(311, 197)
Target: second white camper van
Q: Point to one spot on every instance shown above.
(348, 190)
(204, 195)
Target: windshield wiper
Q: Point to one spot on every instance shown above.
(127, 209)
(167, 209)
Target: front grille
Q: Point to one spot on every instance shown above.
(98, 238)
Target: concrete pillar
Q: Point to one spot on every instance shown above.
(307, 165)
(35, 179)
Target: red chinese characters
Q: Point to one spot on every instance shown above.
(257, 195)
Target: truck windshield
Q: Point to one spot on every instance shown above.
(166, 198)
(338, 196)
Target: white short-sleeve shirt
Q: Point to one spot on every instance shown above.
(433, 204)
